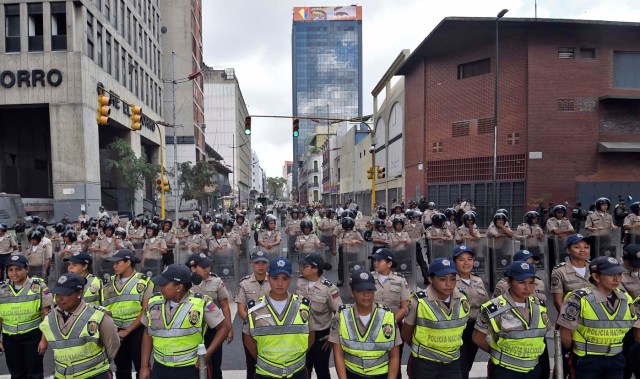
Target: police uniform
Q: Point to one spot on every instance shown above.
(234, 239)
(7, 247)
(426, 217)
(244, 230)
(307, 243)
(195, 243)
(562, 226)
(136, 236)
(124, 244)
(170, 240)
(181, 235)
(565, 279)
(152, 256)
(631, 224)
(464, 234)
(270, 237)
(293, 230)
(250, 289)
(21, 313)
(529, 235)
(539, 289)
(377, 236)
(476, 293)
(517, 336)
(282, 339)
(434, 232)
(391, 291)
(39, 259)
(206, 230)
(398, 240)
(452, 227)
(325, 300)
(108, 243)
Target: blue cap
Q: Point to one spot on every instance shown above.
(199, 259)
(520, 270)
(361, 280)
(575, 238)
(79, 257)
(17, 260)
(605, 266)
(632, 254)
(524, 255)
(442, 267)
(259, 256)
(385, 254)
(69, 283)
(177, 273)
(279, 266)
(462, 249)
(123, 254)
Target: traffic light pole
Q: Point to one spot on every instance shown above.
(175, 138)
(162, 207)
(373, 176)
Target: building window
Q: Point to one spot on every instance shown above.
(124, 67)
(36, 27)
(107, 9)
(12, 28)
(122, 23)
(626, 69)
(513, 139)
(566, 105)
(108, 47)
(565, 53)
(587, 53)
(90, 44)
(116, 60)
(485, 125)
(99, 43)
(460, 129)
(130, 71)
(140, 41)
(475, 68)
(436, 147)
(58, 26)
(127, 26)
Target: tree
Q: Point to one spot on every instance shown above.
(193, 179)
(132, 170)
(275, 187)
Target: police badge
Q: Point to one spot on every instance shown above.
(92, 328)
(194, 316)
(304, 315)
(94, 288)
(387, 330)
(465, 305)
(140, 287)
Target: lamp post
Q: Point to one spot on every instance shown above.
(372, 150)
(494, 200)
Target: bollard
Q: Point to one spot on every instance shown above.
(558, 369)
(202, 361)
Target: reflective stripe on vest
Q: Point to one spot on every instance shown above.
(517, 350)
(20, 311)
(600, 332)
(124, 305)
(79, 354)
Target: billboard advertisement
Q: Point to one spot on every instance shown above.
(346, 13)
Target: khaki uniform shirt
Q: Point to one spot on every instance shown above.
(156, 243)
(269, 237)
(249, 288)
(426, 216)
(565, 279)
(631, 283)
(244, 230)
(379, 236)
(337, 230)
(539, 291)
(233, 238)
(464, 233)
(346, 241)
(36, 256)
(213, 287)
(327, 225)
(7, 244)
(599, 220)
(433, 233)
(309, 243)
(415, 230)
(196, 244)
(632, 220)
(563, 225)
(218, 245)
(528, 232)
(325, 300)
(104, 243)
(398, 241)
(124, 244)
(293, 227)
(136, 235)
(334, 334)
(169, 238)
(510, 321)
(392, 292)
(182, 234)
(431, 296)
(476, 293)
(570, 312)
(451, 227)
(206, 230)
(107, 329)
(493, 231)
(213, 315)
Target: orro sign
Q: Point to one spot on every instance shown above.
(26, 78)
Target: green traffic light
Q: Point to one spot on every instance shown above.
(247, 131)
(296, 133)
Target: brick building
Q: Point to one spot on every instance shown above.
(568, 125)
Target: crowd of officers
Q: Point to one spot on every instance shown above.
(156, 325)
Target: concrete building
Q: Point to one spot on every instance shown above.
(568, 125)
(53, 55)
(225, 112)
(183, 38)
(258, 181)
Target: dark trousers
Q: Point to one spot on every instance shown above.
(165, 372)
(468, 350)
(424, 268)
(250, 363)
(317, 358)
(597, 367)
(168, 258)
(351, 375)
(422, 368)
(215, 362)
(631, 351)
(302, 374)
(499, 372)
(104, 375)
(21, 352)
(128, 353)
(340, 265)
(4, 259)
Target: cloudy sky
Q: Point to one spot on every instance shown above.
(254, 37)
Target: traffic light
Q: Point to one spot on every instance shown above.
(381, 173)
(370, 172)
(136, 116)
(247, 125)
(159, 185)
(296, 127)
(165, 185)
(103, 109)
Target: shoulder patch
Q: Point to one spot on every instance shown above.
(381, 306)
(143, 276)
(420, 294)
(36, 281)
(560, 264)
(580, 293)
(327, 283)
(215, 275)
(462, 291)
(542, 302)
(156, 294)
(198, 295)
(305, 301)
(245, 278)
(342, 307)
(251, 303)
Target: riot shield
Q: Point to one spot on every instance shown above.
(481, 264)
(137, 249)
(354, 257)
(559, 248)
(225, 265)
(36, 265)
(181, 254)
(59, 266)
(274, 252)
(326, 238)
(102, 268)
(406, 265)
(292, 254)
(152, 266)
(633, 236)
(539, 248)
(606, 243)
(440, 249)
(244, 259)
(501, 252)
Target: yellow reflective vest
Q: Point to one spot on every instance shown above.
(175, 341)
(368, 354)
(282, 343)
(600, 332)
(519, 347)
(79, 354)
(437, 335)
(91, 294)
(20, 310)
(125, 305)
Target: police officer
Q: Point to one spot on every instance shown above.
(206, 226)
(435, 324)
(135, 234)
(153, 249)
(325, 301)
(379, 235)
(379, 356)
(125, 296)
(235, 242)
(516, 324)
(195, 243)
(175, 343)
(599, 223)
(38, 255)
(213, 287)
(593, 322)
(559, 225)
(468, 231)
(539, 291)
(529, 233)
(169, 237)
(415, 229)
(244, 230)
(77, 329)
(398, 239)
(269, 237)
(7, 247)
(348, 241)
(251, 288)
(631, 224)
(307, 242)
(182, 234)
(428, 213)
(80, 263)
(21, 236)
(572, 274)
(121, 239)
(24, 301)
(279, 322)
(473, 288)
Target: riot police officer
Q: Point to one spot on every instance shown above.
(269, 238)
(169, 237)
(153, 249)
(80, 263)
(307, 242)
(348, 239)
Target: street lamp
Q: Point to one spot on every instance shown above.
(494, 201)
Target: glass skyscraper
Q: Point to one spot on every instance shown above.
(327, 69)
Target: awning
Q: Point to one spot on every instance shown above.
(619, 147)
